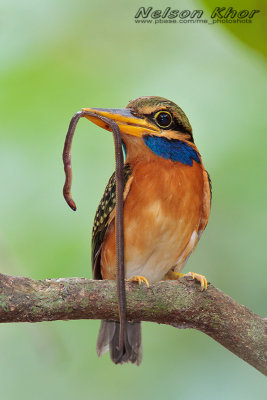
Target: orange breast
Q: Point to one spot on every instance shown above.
(161, 212)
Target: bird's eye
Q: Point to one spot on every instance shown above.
(163, 119)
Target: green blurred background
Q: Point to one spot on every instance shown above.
(59, 56)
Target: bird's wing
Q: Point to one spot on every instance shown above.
(104, 215)
(206, 202)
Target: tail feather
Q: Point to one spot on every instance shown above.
(108, 339)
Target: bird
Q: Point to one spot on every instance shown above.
(166, 207)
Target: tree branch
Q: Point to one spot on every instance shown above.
(180, 304)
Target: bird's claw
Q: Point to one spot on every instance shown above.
(200, 278)
(139, 279)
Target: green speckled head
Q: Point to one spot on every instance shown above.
(149, 106)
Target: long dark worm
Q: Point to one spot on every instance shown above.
(67, 160)
(119, 229)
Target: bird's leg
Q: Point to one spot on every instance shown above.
(139, 279)
(177, 275)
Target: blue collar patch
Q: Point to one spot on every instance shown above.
(172, 149)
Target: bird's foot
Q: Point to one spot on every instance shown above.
(200, 278)
(139, 279)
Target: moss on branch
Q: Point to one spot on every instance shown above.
(177, 303)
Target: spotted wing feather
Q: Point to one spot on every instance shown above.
(102, 217)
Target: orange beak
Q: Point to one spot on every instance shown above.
(127, 122)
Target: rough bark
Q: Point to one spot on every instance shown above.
(180, 304)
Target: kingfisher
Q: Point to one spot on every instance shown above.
(167, 199)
